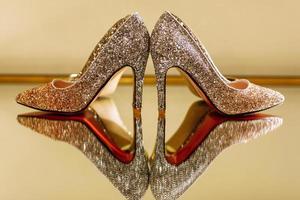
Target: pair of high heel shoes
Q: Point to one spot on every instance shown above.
(203, 132)
(172, 44)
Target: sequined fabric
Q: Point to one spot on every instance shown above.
(126, 44)
(174, 45)
(168, 181)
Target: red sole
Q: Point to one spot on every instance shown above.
(210, 122)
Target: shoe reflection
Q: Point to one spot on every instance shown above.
(101, 136)
(202, 136)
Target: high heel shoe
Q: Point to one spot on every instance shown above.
(101, 136)
(174, 45)
(177, 163)
(125, 44)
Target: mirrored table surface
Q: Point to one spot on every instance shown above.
(45, 156)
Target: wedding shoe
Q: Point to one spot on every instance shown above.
(125, 44)
(174, 45)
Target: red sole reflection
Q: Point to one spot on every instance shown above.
(202, 131)
(88, 119)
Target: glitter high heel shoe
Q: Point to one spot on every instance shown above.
(174, 45)
(102, 139)
(125, 44)
(214, 133)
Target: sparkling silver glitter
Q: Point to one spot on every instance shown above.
(125, 44)
(174, 45)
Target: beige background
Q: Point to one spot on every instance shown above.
(258, 37)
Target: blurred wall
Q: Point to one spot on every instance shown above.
(258, 37)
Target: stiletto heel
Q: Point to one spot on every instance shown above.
(125, 44)
(139, 72)
(160, 139)
(137, 105)
(174, 45)
(161, 79)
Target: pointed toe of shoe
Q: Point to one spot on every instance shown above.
(51, 99)
(19, 98)
(272, 98)
(33, 98)
(279, 98)
(265, 98)
(23, 98)
(26, 98)
(250, 100)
